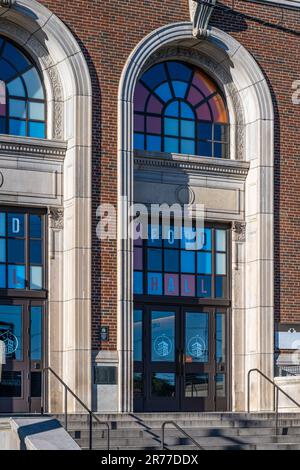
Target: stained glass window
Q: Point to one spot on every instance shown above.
(22, 96)
(179, 109)
(193, 264)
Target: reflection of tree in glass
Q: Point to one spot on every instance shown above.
(163, 387)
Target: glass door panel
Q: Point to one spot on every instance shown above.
(163, 336)
(196, 337)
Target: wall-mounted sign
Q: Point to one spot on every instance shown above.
(287, 336)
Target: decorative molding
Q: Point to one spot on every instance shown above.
(1, 179)
(56, 215)
(7, 3)
(218, 73)
(201, 11)
(16, 146)
(239, 231)
(185, 195)
(211, 166)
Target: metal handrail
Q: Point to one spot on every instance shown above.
(165, 423)
(68, 390)
(277, 389)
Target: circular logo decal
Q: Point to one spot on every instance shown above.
(163, 346)
(11, 342)
(196, 347)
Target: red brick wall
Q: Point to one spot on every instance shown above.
(107, 31)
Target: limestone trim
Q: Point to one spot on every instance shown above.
(67, 81)
(252, 121)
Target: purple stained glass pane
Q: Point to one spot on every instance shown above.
(140, 97)
(171, 284)
(202, 86)
(2, 99)
(203, 113)
(138, 259)
(153, 125)
(154, 105)
(139, 123)
(188, 285)
(194, 96)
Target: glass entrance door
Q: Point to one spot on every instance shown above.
(180, 359)
(21, 345)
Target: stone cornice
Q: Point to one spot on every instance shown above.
(208, 166)
(23, 147)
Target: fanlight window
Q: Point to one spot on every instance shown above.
(179, 109)
(22, 96)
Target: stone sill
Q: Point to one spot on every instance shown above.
(212, 166)
(28, 146)
(292, 4)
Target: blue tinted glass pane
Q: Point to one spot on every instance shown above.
(35, 226)
(35, 252)
(33, 84)
(221, 264)
(187, 128)
(139, 141)
(154, 283)
(164, 92)
(204, 239)
(154, 259)
(205, 130)
(187, 261)
(171, 145)
(171, 236)
(36, 277)
(2, 125)
(219, 150)
(137, 335)
(154, 235)
(204, 263)
(36, 334)
(37, 129)
(16, 277)
(2, 250)
(153, 143)
(17, 108)
(17, 127)
(220, 286)
(2, 224)
(15, 225)
(13, 55)
(179, 89)
(171, 126)
(221, 240)
(188, 240)
(220, 132)
(36, 111)
(2, 276)
(154, 76)
(204, 286)
(16, 88)
(179, 71)
(186, 111)
(7, 72)
(163, 336)
(138, 283)
(205, 149)
(171, 261)
(11, 330)
(172, 109)
(188, 146)
(16, 251)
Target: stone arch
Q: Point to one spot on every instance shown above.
(251, 113)
(69, 95)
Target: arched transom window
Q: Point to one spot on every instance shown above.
(22, 96)
(179, 109)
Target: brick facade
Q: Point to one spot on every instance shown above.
(107, 32)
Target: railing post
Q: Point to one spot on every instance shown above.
(42, 391)
(91, 432)
(276, 411)
(163, 437)
(248, 391)
(66, 409)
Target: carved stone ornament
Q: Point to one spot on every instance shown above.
(201, 11)
(56, 218)
(7, 3)
(239, 231)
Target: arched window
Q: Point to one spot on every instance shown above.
(179, 109)
(22, 96)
